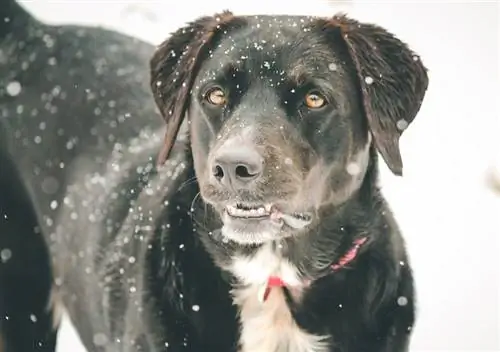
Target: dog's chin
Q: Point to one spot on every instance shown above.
(251, 231)
(260, 225)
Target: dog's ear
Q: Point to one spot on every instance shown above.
(392, 79)
(175, 64)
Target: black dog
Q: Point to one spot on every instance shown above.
(64, 91)
(265, 230)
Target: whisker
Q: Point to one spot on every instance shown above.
(191, 207)
(187, 182)
(195, 220)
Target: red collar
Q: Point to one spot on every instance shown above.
(275, 281)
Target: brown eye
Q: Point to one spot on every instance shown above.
(315, 100)
(216, 96)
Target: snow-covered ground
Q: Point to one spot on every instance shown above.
(449, 217)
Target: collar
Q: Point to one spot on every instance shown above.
(349, 256)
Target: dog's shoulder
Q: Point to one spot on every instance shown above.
(110, 228)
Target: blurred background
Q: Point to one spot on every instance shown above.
(449, 214)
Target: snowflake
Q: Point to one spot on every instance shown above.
(353, 169)
(5, 255)
(13, 88)
(402, 301)
(402, 125)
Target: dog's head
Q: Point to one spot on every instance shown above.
(283, 111)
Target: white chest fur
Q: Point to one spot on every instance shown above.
(269, 326)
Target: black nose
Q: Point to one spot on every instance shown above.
(237, 166)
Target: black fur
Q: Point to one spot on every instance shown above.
(136, 248)
(79, 86)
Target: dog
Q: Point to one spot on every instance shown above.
(59, 85)
(259, 225)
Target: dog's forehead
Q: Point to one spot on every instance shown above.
(275, 43)
(278, 28)
(268, 34)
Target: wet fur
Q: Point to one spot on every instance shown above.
(137, 256)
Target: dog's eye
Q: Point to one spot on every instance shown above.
(314, 100)
(216, 96)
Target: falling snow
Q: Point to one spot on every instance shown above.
(402, 301)
(402, 125)
(50, 185)
(353, 169)
(13, 88)
(332, 67)
(100, 339)
(5, 255)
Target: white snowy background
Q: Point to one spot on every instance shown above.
(449, 217)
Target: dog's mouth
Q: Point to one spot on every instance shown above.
(262, 212)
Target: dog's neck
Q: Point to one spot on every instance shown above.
(275, 280)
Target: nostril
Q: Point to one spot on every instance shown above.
(242, 171)
(236, 166)
(218, 172)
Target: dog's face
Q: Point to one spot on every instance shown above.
(282, 111)
(275, 120)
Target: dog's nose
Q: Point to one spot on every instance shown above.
(237, 166)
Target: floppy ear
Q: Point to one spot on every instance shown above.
(392, 79)
(174, 66)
